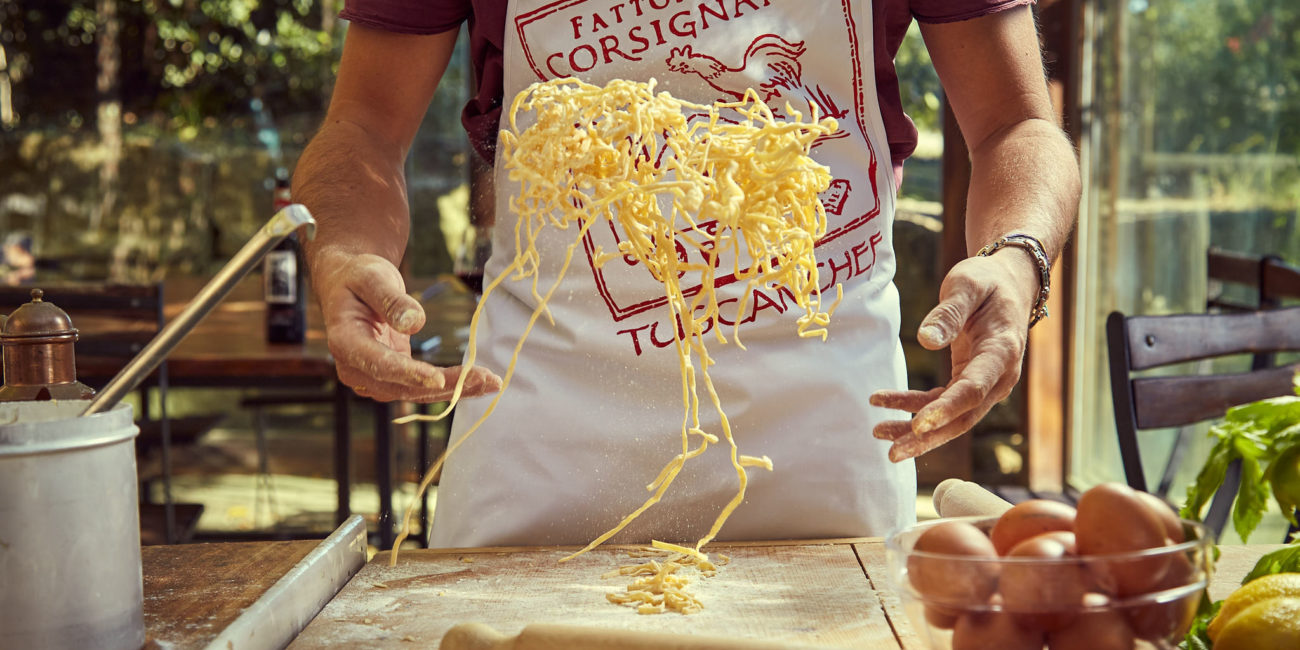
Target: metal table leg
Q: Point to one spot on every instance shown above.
(423, 459)
(342, 452)
(384, 472)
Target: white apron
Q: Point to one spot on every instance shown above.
(594, 410)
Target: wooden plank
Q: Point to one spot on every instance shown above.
(802, 594)
(1235, 561)
(1229, 266)
(871, 554)
(1184, 399)
(193, 591)
(1281, 280)
(1160, 340)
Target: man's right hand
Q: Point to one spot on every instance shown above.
(369, 319)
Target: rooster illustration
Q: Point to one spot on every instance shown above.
(770, 60)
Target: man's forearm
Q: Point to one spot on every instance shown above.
(1023, 179)
(355, 187)
(1024, 175)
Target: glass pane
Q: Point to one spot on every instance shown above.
(1190, 139)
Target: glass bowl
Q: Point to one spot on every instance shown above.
(1141, 599)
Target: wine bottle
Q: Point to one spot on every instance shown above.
(285, 281)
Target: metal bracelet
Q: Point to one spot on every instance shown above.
(1039, 255)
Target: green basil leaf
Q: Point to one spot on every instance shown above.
(1250, 442)
(1267, 414)
(1208, 479)
(1198, 636)
(1252, 498)
(1286, 437)
(1283, 473)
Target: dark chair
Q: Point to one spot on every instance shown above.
(1271, 280)
(1139, 343)
(115, 322)
(1271, 283)
(1238, 282)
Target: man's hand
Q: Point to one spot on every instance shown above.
(983, 315)
(369, 320)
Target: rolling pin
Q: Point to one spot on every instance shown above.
(540, 636)
(957, 498)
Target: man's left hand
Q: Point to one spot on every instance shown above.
(983, 317)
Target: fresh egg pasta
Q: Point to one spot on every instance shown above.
(623, 153)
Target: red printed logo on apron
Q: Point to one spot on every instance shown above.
(714, 50)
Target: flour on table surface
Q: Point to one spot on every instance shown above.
(804, 594)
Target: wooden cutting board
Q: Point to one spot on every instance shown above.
(807, 594)
(193, 591)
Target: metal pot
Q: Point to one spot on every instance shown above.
(69, 527)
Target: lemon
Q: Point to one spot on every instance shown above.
(1270, 624)
(1260, 589)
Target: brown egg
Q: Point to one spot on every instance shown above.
(962, 580)
(1173, 527)
(1100, 630)
(1112, 519)
(1066, 538)
(942, 618)
(1044, 595)
(1154, 621)
(1028, 519)
(993, 630)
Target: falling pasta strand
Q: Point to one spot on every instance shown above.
(736, 183)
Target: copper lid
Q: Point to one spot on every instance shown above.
(38, 355)
(39, 319)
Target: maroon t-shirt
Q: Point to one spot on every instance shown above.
(487, 20)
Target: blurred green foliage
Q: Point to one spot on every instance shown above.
(1202, 99)
(205, 101)
(918, 84)
(185, 60)
(1220, 76)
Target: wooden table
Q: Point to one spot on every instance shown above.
(193, 591)
(831, 594)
